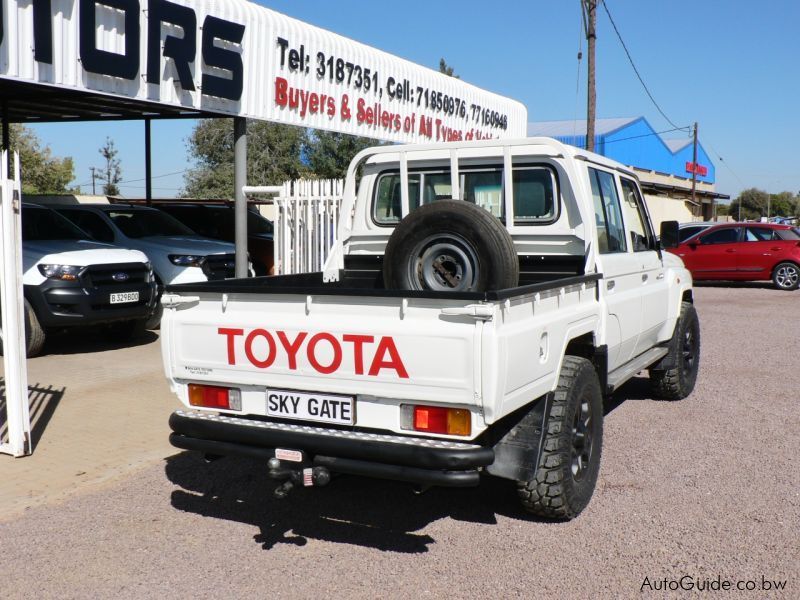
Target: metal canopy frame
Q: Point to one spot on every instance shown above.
(31, 103)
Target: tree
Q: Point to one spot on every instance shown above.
(446, 69)
(329, 154)
(42, 173)
(273, 156)
(783, 204)
(112, 170)
(753, 204)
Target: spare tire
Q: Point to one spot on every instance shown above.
(450, 246)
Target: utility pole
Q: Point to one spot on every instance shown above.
(590, 14)
(694, 169)
(94, 178)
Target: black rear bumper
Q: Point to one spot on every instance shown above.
(415, 460)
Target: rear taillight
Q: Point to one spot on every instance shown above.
(211, 396)
(436, 419)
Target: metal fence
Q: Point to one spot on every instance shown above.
(306, 218)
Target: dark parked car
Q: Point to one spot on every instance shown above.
(744, 252)
(217, 221)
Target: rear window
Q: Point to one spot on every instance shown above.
(788, 234)
(534, 193)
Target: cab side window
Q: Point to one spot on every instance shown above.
(635, 217)
(721, 236)
(607, 212)
(91, 224)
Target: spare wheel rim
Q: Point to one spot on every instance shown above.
(444, 262)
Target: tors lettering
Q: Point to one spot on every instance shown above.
(220, 43)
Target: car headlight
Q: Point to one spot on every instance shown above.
(63, 272)
(187, 260)
(150, 275)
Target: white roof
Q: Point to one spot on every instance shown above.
(675, 145)
(577, 127)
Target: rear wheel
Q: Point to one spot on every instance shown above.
(570, 459)
(786, 276)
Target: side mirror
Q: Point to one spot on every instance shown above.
(669, 234)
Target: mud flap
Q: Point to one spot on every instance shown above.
(519, 438)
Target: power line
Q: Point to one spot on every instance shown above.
(633, 137)
(143, 178)
(720, 159)
(635, 70)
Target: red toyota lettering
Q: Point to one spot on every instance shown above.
(248, 348)
(292, 347)
(231, 333)
(337, 353)
(386, 346)
(386, 355)
(358, 349)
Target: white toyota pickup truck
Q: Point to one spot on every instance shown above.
(481, 301)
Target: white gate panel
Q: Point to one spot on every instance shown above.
(12, 307)
(306, 219)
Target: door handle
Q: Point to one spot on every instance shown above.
(610, 284)
(660, 276)
(731, 250)
(644, 277)
(776, 249)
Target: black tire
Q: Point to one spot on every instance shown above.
(674, 376)
(786, 276)
(34, 333)
(450, 245)
(126, 330)
(570, 460)
(154, 320)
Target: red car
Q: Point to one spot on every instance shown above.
(744, 252)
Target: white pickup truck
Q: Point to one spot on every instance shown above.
(480, 302)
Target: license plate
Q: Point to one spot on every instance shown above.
(325, 408)
(122, 297)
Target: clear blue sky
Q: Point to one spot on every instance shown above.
(731, 65)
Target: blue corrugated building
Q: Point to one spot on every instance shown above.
(661, 163)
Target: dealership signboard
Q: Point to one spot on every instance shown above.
(237, 58)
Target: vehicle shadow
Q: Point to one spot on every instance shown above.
(92, 340)
(754, 285)
(636, 388)
(43, 401)
(385, 515)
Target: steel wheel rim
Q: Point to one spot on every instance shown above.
(444, 263)
(787, 276)
(581, 440)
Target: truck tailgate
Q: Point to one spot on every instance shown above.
(368, 346)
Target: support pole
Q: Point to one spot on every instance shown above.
(694, 171)
(240, 200)
(591, 98)
(148, 166)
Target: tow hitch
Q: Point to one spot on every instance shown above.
(292, 476)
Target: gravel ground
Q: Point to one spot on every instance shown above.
(706, 488)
